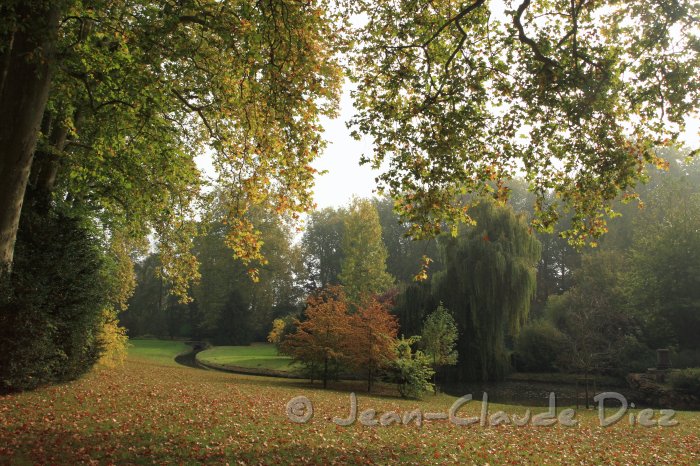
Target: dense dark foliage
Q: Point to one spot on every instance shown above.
(51, 308)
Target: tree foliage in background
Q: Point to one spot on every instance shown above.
(363, 270)
(594, 315)
(227, 307)
(404, 254)
(664, 260)
(323, 246)
(576, 94)
(632, 296)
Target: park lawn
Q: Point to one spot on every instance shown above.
(256, 356)
(151, 410)
(163, 351)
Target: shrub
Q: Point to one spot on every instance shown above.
(51, 305)
(113, 340)
(685, 359)
(632, 356)
(538, 346)
(686, 380)
(281, 328)
(410, 371)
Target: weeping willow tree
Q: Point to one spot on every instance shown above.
(488, 282)
(413, 304)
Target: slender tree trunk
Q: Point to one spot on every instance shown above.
(25, 90)
(435, 387)
(325, 372)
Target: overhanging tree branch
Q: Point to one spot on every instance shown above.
(199, 110)
(549, 63)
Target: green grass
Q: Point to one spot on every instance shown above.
(163, 351)
(152, 411)
(256, 356)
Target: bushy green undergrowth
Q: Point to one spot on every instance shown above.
(52, 306)
(687, 380)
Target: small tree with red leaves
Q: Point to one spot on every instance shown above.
(319, 342)
(372, 338)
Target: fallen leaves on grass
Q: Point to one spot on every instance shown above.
(148, 412)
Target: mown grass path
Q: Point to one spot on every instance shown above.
(152, 410)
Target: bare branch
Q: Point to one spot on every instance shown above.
(197, 109)
(522, 37)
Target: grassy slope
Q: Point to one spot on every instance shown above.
(152, 410)
(259, 355)
(157, 350)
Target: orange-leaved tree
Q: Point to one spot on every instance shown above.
(320, 340)
(372, 338)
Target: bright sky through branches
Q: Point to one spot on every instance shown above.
(345, 177)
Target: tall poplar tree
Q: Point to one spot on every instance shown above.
(363, 270)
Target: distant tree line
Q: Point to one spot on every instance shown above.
(520, 299)
(609, 308)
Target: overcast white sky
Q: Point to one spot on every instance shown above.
(345, 177)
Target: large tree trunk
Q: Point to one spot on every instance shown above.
(8, 39)
(23, 99)
(45, 166)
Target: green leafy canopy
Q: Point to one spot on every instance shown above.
(574, 94)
